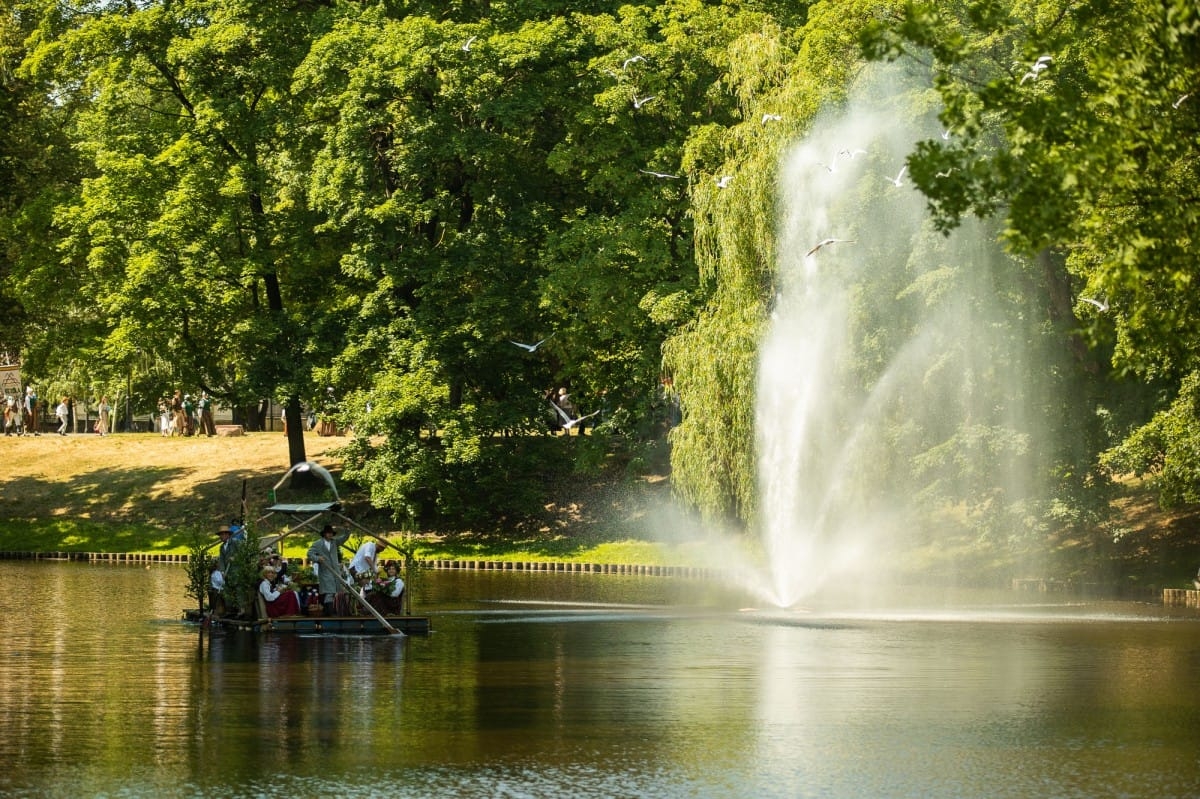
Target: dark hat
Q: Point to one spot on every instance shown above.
(328, 529)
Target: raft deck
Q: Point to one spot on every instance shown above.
(314, 625)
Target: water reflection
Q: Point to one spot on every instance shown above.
(589, 685)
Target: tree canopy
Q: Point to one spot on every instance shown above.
(378, 202)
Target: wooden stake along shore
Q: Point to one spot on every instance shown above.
(1176, 597)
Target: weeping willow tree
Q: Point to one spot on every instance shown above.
(781, 79)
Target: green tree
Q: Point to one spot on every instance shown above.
(195, 228)
(1076, 122)
(496, 195)
(791, 73)
(43, 300)
(434, 160)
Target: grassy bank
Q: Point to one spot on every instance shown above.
(147, 494)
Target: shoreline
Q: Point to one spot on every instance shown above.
(466, 564)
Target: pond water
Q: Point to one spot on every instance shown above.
(570, 685)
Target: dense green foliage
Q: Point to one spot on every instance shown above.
(271, 200)
(1079, 124)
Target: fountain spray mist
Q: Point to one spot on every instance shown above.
(885, 350)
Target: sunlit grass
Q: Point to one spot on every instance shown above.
(647, 553)
(143, 494)
(82, 535)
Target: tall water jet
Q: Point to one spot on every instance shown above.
(890, 379)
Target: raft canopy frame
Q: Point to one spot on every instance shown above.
(314, 515)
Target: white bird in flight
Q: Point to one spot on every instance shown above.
(848, 153)
(723, 181)
(1179, 102)
(828, 241)
(659, 174)
(568, 422)
(1037, 67)
(638, 102)
(1101, 305)
(467, 47)
(631, 60)
(532, 347)
(771, 118)
(899, 175)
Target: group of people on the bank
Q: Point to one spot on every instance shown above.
(25, 415)
(376, 582)
(184, 415)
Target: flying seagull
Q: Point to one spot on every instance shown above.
(631, 60)
(828, 241)
(467, 47)
(638, 102)
(899, 175)
(659, 174)
(532, 347)
(1101, 305)
(1179, 102)
(568, 422)
(848, 153)
(1036, 68)
(771, 118)
(945, 174)
(723, 181)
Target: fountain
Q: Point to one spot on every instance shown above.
(884, 346)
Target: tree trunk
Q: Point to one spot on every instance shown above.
(295, 431)
(291, 409)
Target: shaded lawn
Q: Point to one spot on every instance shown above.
(167, 508)
(121, 509)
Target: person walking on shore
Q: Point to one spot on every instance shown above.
(104, 410)
(31, 411)
(164, 416)
(10, 409)
(178, 423)
(206, 415)
(62, 412)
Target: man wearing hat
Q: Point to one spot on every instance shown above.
(325, 555)
(220, 573)
(225, 552)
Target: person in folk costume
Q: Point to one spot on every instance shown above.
(178, 423)
(325, 555)
(206, 415)
(280, 600)
(105, 411)
(221, 568)
(189, 415)
(63, 412)
(387, 593)
(365, 559)
(31, 411)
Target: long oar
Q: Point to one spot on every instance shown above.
(354, 593)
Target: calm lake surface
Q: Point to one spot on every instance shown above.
(570, 685)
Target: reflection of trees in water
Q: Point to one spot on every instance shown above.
(305, 689)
